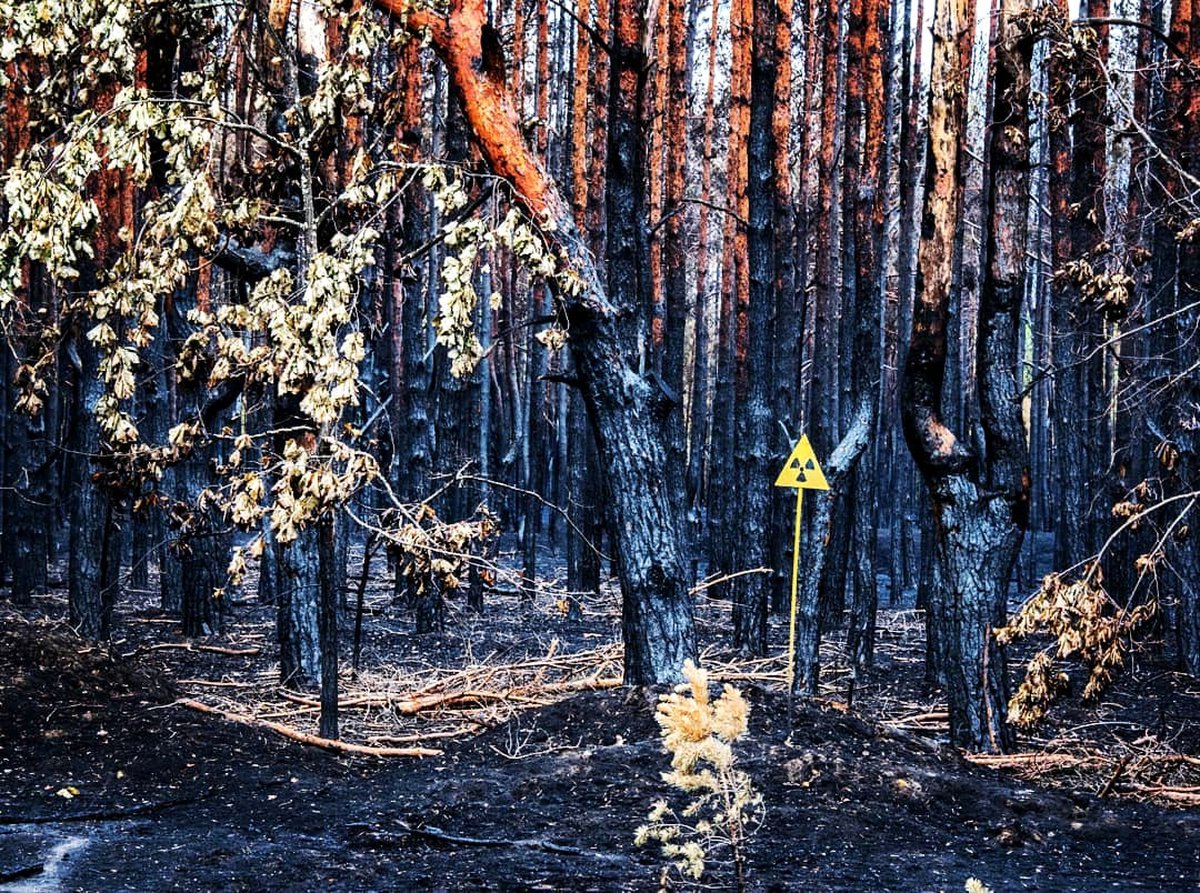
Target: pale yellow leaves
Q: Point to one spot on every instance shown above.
(725, 808)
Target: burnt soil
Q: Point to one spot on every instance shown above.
(169, 799)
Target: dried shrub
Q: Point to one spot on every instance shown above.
(722, 808)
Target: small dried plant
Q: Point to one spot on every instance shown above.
(723, 808)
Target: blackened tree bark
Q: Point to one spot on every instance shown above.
(27, 471)
(788, 326)
(410, 377)
(869, 19)
(751, 592)
(980, 502)
(203, 540)
(1078, 182)
(675, 280)
(298, 581)
(95, 544)
(586, 486)
(657, 626)
(327, 624)
(1182, 101)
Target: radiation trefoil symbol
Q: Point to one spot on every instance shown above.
(801, 470)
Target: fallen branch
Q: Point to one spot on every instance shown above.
(725, 578)
(1189, 795)
(930, 716)
(420, 736)
(405, 706)
(305, 738)
(211, 649)
(458, 700)
(1046, 762)
(906, 736)
(1112, 779)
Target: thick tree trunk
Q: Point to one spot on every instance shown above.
(298, 581)
(624, 408)
(980, 502)
(95, 546)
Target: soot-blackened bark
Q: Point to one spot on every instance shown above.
(95, 544)
(751, 592)
(429, 608)
(297, 597)
(327, 624)
(584, 500)
(625, 410)
(409, 374)
(203, 540)
(1184, 129)
(202, 546)
(866, 53)
(980, 502)
(27, 502)
(297, 569)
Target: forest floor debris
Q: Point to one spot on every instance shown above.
(547, 767)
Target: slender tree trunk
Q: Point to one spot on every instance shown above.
(785, 360)
(698, 442)
(327, 625)
(1182, 99)
(869, 18)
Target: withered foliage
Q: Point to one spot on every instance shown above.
(1086, 626)
(436, 556)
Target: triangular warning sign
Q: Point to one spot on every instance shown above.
(802, 469)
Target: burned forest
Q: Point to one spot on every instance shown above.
(600, 445)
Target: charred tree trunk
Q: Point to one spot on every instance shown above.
(980, 502)
(752, 591)
(624, 408)
(869, 18)
(202, 544)
(1183, 100)
(95, 545)
(27, 469)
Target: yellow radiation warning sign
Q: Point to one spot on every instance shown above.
(801, 470)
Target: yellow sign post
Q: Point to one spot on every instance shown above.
(801, 472)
